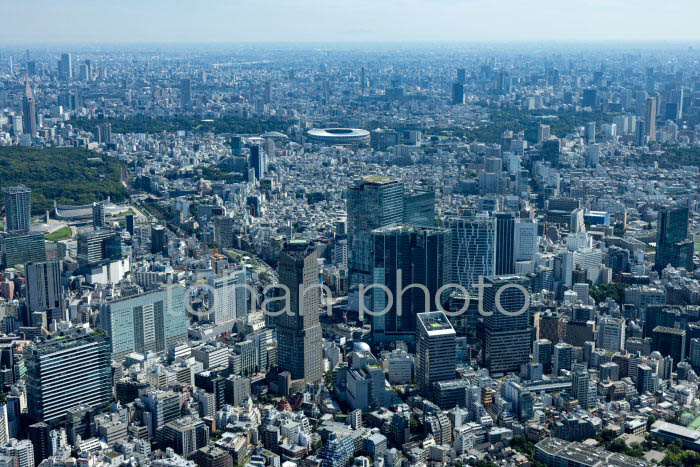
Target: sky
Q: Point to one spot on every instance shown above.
(180, 21)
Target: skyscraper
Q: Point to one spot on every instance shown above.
(650, 118)
(267, 93)
(590, 133)
(39, 435)
(65, 67)
(435, 350)
(669, 342)
(506, 337)
(473, 249)
(457, 93)
(672, 244)
(29, 110)
(186, 92)
(579, 387)
(372, 203)
(590, 97)
(257, 161)
(461, 76)
(98, 215)
(524, 240)
(562, 358)
(148, 322)
(18, 208)
(130, 224)
(542, 354)
(65, 372)
(227, 297)
(299, 330)
(159, 239)
(44, 287)
(505, 240)
(421, 256)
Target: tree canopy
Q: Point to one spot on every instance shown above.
(67, 175)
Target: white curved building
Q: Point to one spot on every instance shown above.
(339, 136)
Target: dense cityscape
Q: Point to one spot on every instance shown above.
(335, 255)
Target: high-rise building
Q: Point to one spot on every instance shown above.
(163, 407)
(590, 97)
(645, 379)
(257, 161)
(473, 249)
(66, 371)
(524, 240)
(237, 145)
(186, 92)
(419, 208)
(21, 248)
(44, 287)
(149, 322)
(650, 118)
(669, 342)
(18, 204)
(461, 76)
(98, 215)
(405, 257)
(159, 239)
(267, 93)
(223, 231)
(611, 333)
(457, 93)
(590, 133)
(299, 329)
(104, 133)
(372, 203)
(435, 350)
(39, 435)
(184, 435)
(228, 297)
(580, 381)
(506, 336)
(505, 241)
(130, 224)
(672, 244)
(29, 110)
(98, 246)
(5, 434)
(542, 354)
(562, 358)
(641, 133)
(65, 67)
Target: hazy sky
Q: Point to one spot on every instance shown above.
(108, 21)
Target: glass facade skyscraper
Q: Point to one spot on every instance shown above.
(372, 203)
(506, 338)
(376, 202)
(473, 249)
(672, 244)
(505, 240)
(421, 255)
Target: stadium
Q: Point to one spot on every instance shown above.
(339, 136)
